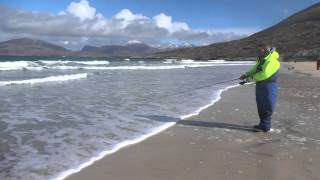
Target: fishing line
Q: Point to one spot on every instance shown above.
(201, 87)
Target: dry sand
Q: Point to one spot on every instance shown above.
(218, 143)
(303, 67)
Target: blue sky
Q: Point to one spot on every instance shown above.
(197, 13)
(225, 16)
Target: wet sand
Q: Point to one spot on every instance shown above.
(219, 144)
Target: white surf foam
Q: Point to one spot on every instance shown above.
(65, 67)
(46, 79)
(140, 67)
(168, 61)
(217, 60)
(217, 98)
(123, 144)
(96, 62)
(32, 68)
(117, 147)
(72, 65)
(49, 62)
(14, 65)
(187, 60)
(137, 67)
(118, 67)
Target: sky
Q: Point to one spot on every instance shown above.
(75, 23)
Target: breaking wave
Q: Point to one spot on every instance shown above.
(14, 65)
(75, 62)
(45, 80)
(105, 65)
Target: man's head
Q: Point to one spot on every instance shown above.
(264, 50)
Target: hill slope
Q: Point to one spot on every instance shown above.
(297, 34)
(29, 47)
(136, 49)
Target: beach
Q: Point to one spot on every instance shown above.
(151, 90)
(307, 68)
(219, 142)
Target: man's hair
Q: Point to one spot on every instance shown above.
(267, 47)
(264, 46)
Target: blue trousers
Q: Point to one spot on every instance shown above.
(266, 98)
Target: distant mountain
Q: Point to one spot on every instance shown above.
(293, 37)
(128, 50)
(168, 47)
(29, 47)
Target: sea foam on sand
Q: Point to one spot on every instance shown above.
(153, 132)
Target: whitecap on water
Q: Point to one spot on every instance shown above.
(46, 79)
(96, 62)
(14, 65)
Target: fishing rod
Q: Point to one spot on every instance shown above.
(205, 86)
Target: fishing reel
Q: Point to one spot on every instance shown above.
(243, 82)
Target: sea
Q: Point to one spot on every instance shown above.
(60, 114)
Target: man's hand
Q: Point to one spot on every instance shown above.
(243, 77)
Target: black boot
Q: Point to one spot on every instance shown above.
(258, 128)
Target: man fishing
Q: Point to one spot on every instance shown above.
(265, 73)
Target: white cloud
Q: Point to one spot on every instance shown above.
(127, 15)
(80, 25)
(82, 10)
(164, 21)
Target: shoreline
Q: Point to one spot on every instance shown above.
(116, 148)
(218, 143)
(128, 143)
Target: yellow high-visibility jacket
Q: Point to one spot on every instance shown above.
(264, 68)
